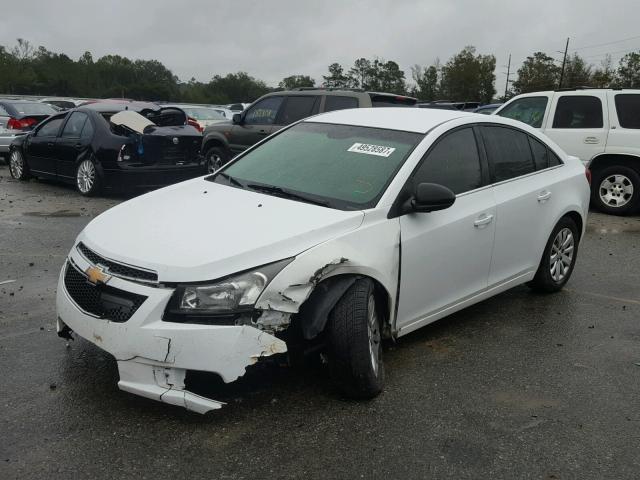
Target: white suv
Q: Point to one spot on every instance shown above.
(601, 127)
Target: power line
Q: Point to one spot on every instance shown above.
(607, 43)
(626, 50)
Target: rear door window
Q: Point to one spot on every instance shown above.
(75, 124)
(628, 108)
(582, 111)
(3, 112)
(453, 162)
(335, 102)
(508, 152)
(297, 107)
(263, 112)
(529, 110)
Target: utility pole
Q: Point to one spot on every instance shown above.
(506, 87)
(564, 61)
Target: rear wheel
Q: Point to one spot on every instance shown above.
(354, 342)
(18, 168)
(616, 190)
(215, 158)
(558, 259)
(87, 178)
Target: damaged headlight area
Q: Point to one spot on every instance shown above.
(222, 301)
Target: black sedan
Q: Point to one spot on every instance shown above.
(110, 144)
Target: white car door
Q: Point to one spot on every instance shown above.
(446, 255)
(525, 183)
(579, 123)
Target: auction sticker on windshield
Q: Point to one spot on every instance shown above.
(379, 150)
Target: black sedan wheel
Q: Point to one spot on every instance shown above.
(215, 158)
(87, 178)
(17, 166)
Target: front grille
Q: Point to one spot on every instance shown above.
(100, 300)
(117, 269)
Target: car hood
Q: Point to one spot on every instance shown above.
(199, 230)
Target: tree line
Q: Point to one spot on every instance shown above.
(466, 76)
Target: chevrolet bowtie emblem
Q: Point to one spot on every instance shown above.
(96, 275)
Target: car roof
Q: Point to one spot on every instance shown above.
(418, 120)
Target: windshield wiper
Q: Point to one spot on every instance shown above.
(281, 192)
(231, 180)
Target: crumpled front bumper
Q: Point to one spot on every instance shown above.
(153, 356)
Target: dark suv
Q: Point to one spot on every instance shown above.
(273, 111)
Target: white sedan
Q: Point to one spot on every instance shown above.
(343, 229)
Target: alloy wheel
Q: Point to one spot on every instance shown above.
(561, 254)
(615, 190)
(86, 176)
(16, 164)
(373, 329)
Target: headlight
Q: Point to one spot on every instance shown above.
(232, 294)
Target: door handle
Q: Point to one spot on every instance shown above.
(591, 140)
(78, 146)
(262, 132)
(544, 195)
(483, 220)
(49, 144)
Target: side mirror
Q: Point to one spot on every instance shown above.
(237, 118)
(430, 197)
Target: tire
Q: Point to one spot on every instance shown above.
(555, 270)
(18, 167)
(616, 190)
(354, 342)
(88, 181)
(216, 157)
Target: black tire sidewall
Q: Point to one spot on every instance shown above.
(348, 343)
(633, 204)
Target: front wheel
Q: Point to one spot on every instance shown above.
(558, 259)
(87, 178)
(616, 190)
(354, 342)
(18, 168)
(215, 158)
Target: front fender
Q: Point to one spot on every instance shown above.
(214, 137)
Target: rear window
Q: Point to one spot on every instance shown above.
(203, 113)
(628, 108)
(28, 108)
(335, 102)
(391, 101)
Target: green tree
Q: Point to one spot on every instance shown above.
(296, 81)
(427, 81)
(629, 71)
(235, 87)
(467, 76)
(604, 76)
(577, 73)
(360, 75)
(336, 77)
(537, 73)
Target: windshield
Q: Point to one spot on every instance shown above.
(342, 166)
(203, 113)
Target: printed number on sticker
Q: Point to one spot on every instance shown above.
(379, 150)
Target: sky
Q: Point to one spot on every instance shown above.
(277, 38)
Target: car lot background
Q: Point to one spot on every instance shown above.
(519, 386)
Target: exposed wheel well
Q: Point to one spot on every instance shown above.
(314, 312)
(213, 143)
(577, 218)
(606, 160)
